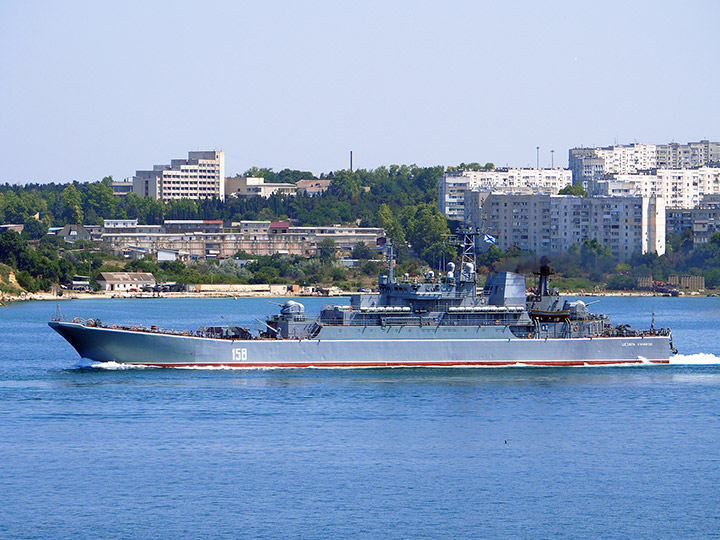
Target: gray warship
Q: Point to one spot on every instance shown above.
(429, 321)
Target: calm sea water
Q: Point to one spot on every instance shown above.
(619, 452)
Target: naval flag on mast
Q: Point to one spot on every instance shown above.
(489, 239)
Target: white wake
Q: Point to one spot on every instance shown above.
(699, 359)
(89, 364)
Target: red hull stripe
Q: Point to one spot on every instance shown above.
(548, 363)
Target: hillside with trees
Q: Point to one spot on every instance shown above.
(401, 198)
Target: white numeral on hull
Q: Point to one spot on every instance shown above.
(239, 355)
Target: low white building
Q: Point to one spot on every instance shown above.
(256, 187)
(170, 255)
(124, 281)
(122, 188)
(313, 187)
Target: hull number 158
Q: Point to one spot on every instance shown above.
(239, 355)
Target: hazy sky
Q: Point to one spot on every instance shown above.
(90, 89)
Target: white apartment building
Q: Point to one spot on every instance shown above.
(548, 224)
(200, 176)
(256, 187)
(680, 188)
(685, 156)
(591, 165)
(628, 159)
(453, 185)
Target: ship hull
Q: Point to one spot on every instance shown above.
(423, 347)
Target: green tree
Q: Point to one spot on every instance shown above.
(596, 258)
(371, 268)
(338, 274)
(623, 268)
(327, 249)
(100, 201)
(574, 189)
(493, 255)
(71, 205)
(345, 185)
(183, 209)
(621, 283)
(390, 223)
(363, 252)
(14, 209)
(34, 229)
(12, 246)
(427, 231)
(26, 281)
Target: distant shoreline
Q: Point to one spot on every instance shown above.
(74, 295)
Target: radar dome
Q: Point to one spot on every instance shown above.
(292, 307)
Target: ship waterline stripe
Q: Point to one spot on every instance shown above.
(540, 363)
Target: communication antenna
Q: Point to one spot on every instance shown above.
(351, 163)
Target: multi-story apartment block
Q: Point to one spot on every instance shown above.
(453, 185)
(629, 158)
(591, 165)
(681, 188)
(687, 156)
(208, 239)
(548, 224)
(705, 224)
(678, 220)
(200, 176)
(586, 167)
(703, 220)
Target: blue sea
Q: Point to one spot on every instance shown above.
(593, 452)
